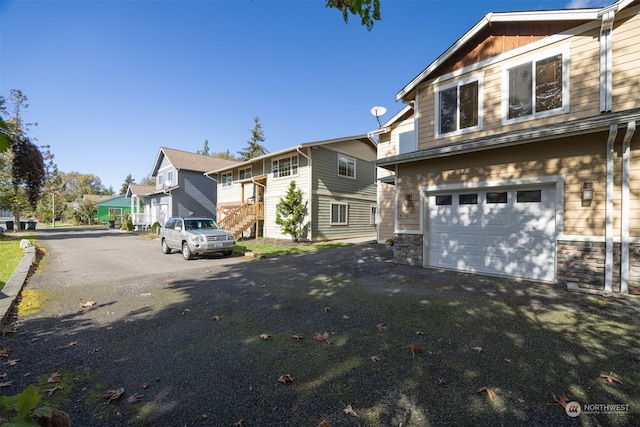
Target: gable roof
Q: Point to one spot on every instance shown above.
(566, 15)
(116, 201)
(140, 190)
(361, 138)
(189, 161)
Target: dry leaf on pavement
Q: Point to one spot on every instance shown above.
(297, 337)
(610, 378)
(54, 378)
(321, 337)
(414, 350)
(113, 395)
(492, 395)
(382, 327)
(7, 384)
(285, 378)
(88, 304)
(50, 391)
(135, 397)
(350, 411)
(562, 400)
(265, 336)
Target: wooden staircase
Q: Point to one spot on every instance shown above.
(243, 217)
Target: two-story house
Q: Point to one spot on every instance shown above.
(526, 160)
(181, 189)
(337, 180)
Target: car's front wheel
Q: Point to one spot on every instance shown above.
(227, 253)
(186, 252)
(165, 248)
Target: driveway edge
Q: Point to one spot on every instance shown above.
(15, 283)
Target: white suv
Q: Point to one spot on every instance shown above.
(195, 236)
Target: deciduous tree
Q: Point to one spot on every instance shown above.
(368, 10)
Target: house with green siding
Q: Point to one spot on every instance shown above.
(337, 178)
(113, 208)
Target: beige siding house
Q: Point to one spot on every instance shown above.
(337, 180)
(527, 159)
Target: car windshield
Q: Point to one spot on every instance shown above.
(200, 224)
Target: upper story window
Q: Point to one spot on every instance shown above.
(244, 173)
(227, 179)
(286, 166)
(536, 88)
(160, 180)
(346, 166)
(406, 142)
(459, 106)
(170, 178)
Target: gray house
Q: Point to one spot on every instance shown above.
(181, 189)
(337, 178)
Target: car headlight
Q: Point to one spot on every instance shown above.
(196, 239)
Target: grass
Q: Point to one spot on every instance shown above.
(11, 254)
(271, 248)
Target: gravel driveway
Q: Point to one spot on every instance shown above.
(396, 345)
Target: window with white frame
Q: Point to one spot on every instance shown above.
(346, 166)
(244, 173)
(339, 214)
(459, 106)
(227, 179)
(285, 166)
(170, 178)
(373, 215)
(160, 179)
(536, 88)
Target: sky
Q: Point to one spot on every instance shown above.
(109, 82)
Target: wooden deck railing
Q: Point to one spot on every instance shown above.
(242, 218)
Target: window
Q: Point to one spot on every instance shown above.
(537, 88)
(161, 180)
(468, 199)
(445, 200)
(459, 106)
(244, 173)
(170, 180)
(529, 196)
(115, 213)
(287, 166)
(339, 214)
(373, 215)
(346, 167)
(406, 142)
(497, 197)
(227, 179)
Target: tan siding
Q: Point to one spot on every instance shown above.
(386, 211)
(626, 62)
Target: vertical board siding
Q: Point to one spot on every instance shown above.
(196, 194)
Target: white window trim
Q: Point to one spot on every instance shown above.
(346, 216)
(223, 182)
(250, 169)
(479, 77)
(562, 50)
(285, 176)
(348, 159)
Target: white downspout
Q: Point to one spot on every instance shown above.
(309, 191)
(608, 261)
(625, 206)
(606, 61)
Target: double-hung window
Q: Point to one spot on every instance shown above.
(536, 88)
(286, 166)
(459, 106)
(244, 173)
(227, 179)
(346, 166)
(339, 214)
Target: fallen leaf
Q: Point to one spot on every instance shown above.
(144, 386)
(350, 411)
(7, 384)
(135, 397)
(54, 378)
(456, 325)
(419, 333)
(297, 337)
(88, 304)
(490, 392)
(217, 318)
(441, 381)
(113, 395)
(414, 349)
(345, 317)
(265, 336)
(328, 309)
(71, 344)
(610, 378)
(376, 358)
(507, 360)
(382, 327)
(285, 378)
(323, 423)
(239, 424)
(50, 391)
(97, 350)
(296, 407)
(148, 294)
(4, 352)
(477, 348)
(321, 337)
(11, 362)
(562, 400)
(186, 310)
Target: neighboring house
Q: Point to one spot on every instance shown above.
(113, 208)
(182, 188)
(337, 180)
(527, 162)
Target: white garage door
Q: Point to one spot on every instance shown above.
(505, 231)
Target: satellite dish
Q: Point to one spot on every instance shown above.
(377, 112)
(168, 183)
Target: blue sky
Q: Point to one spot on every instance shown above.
(110, 82)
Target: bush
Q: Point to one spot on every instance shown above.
(155, 227)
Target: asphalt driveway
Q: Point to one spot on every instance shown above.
(210, 342)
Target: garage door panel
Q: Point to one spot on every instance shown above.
(498, 235)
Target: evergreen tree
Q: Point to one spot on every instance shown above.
(125, 185)
(290, 212)
(205, 148)
(254, 148)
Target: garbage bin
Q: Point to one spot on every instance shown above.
(23, 225)
(9, 225)
(31, 225)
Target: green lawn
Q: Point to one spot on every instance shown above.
(271, 248)
(11, 254)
